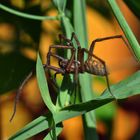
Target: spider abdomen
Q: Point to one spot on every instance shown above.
(95, 67)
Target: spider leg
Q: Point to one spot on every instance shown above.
(76, 79)
(18, 93)
(59, 57)
(73, 36)
(106, 38)
(79, 55)
(92, 48)
(60, 70)
(73, 59)
(80, 59)
(55, 47)
(48, 66)
(105, 68)
(69, 43)
(63, 37)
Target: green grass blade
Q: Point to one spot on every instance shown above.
(86, 91)
(42, 83)
(36, 126)
(122, 90)
(135, 47)
(80, 19)
(24, 15)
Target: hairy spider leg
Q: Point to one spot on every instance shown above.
(18, 93)
(92, 46)
(69, 42)
(60, 70)
(81, 56)
(99, 59)
(73, 36)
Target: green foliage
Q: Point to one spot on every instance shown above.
(43, 86)
(88, 102)
(121, 90)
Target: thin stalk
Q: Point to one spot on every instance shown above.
(29, 16)
(135, 47)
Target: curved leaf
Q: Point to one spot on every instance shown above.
(42, 83)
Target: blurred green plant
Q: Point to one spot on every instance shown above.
(88, 102)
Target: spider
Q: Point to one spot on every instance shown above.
(76, 64)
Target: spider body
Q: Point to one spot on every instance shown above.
(63, 65)
(95, 67)
(90, 66)
(76, 63)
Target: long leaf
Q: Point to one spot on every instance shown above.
(43, 85)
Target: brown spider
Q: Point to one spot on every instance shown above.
(75, 64)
